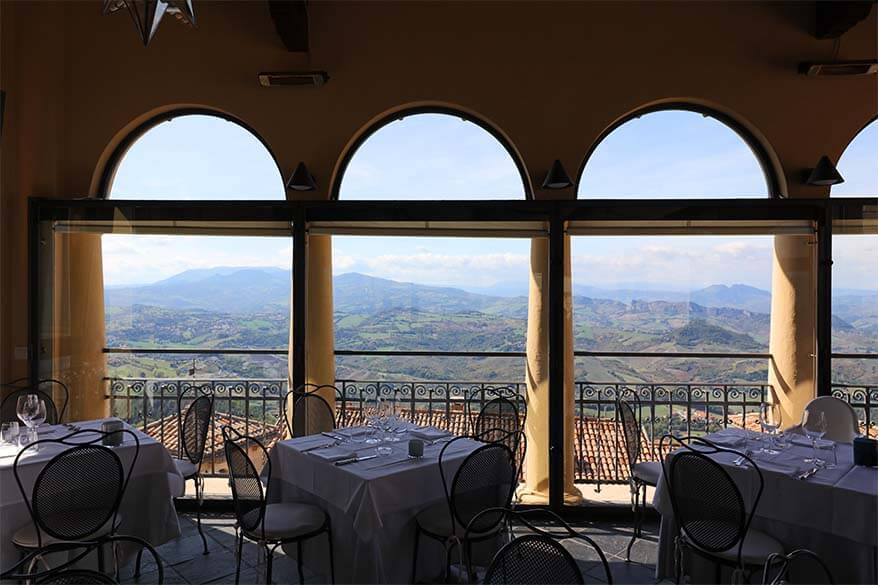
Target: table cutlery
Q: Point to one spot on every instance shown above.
(741, 460)
(335, 443)
(355, 460)
(808, 473)
(333, 436)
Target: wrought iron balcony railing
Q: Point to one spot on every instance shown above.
(253, 406)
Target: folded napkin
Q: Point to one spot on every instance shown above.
(804, 441)
(333, 453)
(430, 433)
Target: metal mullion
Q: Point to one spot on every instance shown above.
(556, 361)
(824, 304)
(299, 287)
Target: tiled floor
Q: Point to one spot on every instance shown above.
(185, 564)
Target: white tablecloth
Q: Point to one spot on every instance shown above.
(147, 508)
(833, 513)
(372, 506)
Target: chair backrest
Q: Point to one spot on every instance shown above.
(247, 491)
(707, 504)
(66, 558)
(533, 559)
(195, 426)
(782, 563)
(311, 413)
(550, 526)
(515, 440)
(630, 428)
(841, 420)
(46, 390)
(78, 492)
(485, 479)
(498, 413)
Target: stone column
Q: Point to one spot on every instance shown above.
(536, 479)
(793, 341)
(78, 325)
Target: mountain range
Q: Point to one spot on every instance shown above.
(249, 307)
(234, 289)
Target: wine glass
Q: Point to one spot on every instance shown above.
(373, 421)
(769, 420)
(26, 408)
(814, 426)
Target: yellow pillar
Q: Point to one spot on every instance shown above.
(79, 360)
(320, 349)
(320, 332)
(793, 341)
(536, 479)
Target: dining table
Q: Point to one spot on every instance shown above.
(147, 508)
(831, 510)
(372, 503)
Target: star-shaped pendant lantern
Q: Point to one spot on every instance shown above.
(148, 14)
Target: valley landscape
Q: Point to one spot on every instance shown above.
(229, 307)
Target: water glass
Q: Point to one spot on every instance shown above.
(28, 436)
(831, 454)
(814, 425)
(9, 433)
(769, 420)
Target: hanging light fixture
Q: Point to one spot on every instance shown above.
(824, 174)
(148, 14)
(301, 179)
(557, 177)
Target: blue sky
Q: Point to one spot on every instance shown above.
(443, 157)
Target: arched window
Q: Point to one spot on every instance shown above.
(859, 164)
(194, 156)
(403, 293)
(205, 292)
(675, 153)
(433, 154)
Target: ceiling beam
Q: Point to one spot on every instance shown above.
(291, 21)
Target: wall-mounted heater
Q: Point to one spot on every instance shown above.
(840, 68)
(294, 79)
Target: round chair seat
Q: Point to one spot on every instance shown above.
(757, 548)
(287, 520)
(648, 472)
(186, 468)
(436, 521)
(26, 536)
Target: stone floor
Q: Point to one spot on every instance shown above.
(185, 564)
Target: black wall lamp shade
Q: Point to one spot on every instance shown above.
(301, 179)
(557, 177)
(824, 174)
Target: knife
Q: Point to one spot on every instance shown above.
(355, 460)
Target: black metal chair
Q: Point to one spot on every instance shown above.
(20, 387)
(66, 572)
(485, 479)
(77, 494)
(503, 411)
(537, 558)
(269, 525)
(193, 430)
(782, 563)
(310, 413)
(641, 473)
(712, 519)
